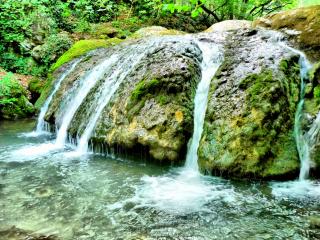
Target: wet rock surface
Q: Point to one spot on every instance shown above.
(14, 233)
(302, 26)
(248, 129)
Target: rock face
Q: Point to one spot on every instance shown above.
(302, 26)
(248, 129)
(229, 25)
(153, 107)
(14, 98)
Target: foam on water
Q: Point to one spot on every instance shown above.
(186, 191)
(182, 192)
(33, 151)
(303, 189)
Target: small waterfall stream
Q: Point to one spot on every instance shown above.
(112, 83)
(212, 58)
(41, 123)
(302, 139)
(87, 83)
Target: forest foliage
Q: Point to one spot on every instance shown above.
(34, 33)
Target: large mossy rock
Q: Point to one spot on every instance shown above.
(249, 123)
(248, 130)
(302, 25)
(14, 102)
(153, 106)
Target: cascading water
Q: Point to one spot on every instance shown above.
(302, 140)
(112, 83)
(87, 83)
(186, 190)
(41, 125)
(212, 58)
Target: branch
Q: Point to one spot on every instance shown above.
(215, 16)
(262, 5)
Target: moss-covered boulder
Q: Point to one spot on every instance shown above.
(81, 47)
(249, 123)
(302, 26)
(14, 102)
(153, 107)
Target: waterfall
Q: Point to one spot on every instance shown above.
(41, 123)
(86, 84)
(302, 140)
(212, 58)
(113, 81)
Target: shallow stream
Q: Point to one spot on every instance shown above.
(50, 192)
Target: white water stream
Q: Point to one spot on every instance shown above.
(41, 123)
(87, 83)
(212, 58)
(302, 140)
(113, 81)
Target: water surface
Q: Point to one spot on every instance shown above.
(46, 191)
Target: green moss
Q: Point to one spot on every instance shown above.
(36, 85)
(144, 87)
(162, 99)
(13, 99)
(316, 92)
(45, 92)
(257, 142)
(81, 47)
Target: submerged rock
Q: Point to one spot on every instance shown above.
(302, 25)
(248, 130)
(14, 233)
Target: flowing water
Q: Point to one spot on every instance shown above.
(98, 197)
(113, 81)
(302, 140)
(48, 190)
(87, 83)
(212, 58)
(41, 123)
